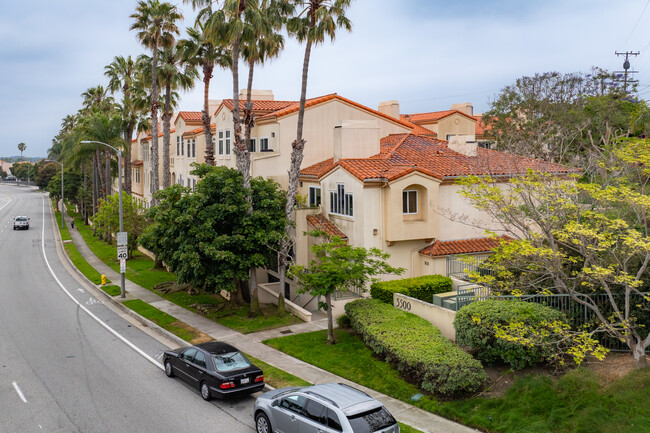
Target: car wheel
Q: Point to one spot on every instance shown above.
(262, 424)
(205, 391)
(168, 369)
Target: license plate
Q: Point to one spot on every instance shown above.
(245, 380)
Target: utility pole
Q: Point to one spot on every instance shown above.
(626, 67)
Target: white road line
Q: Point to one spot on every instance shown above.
(20, 393)
(97, 319)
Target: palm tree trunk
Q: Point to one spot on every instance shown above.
(297, 148)
(209, 146)
(128, 135)
(154, 125)
(109, 183)
(249, 122)
(95, 182)
(166, 118)
(239, 148)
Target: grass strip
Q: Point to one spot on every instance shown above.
(111, 289)
(275, 377)
(80, 263)
(164, 320)
(351, 359)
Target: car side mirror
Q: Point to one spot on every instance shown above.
(274, 403)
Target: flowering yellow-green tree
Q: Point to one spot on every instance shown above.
(578, 239)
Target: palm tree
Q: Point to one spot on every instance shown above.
(315, 20)
(200, 50)
(97, 99)
(175, 74)
(22, 147)
(155, 23)
(122, 73)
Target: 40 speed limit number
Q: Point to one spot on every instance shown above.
(403, 304)
(122, 252)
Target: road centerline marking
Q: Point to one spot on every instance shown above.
(20, 393)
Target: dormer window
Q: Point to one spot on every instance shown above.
(409, 202)
(341, 203)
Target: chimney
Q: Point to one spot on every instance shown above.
(257, 95)
(464, 107)
(390, 108)
(463, 144)
(356, 139)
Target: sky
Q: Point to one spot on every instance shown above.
(426, 54)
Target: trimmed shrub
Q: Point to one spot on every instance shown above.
(422, 288)
(475, 327)
(420, 351)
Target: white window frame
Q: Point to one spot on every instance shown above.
(227, 137)
(262, 148)
(406, 201)
(182, 145)
(221, 142)
(193, 148)
(178, 145)
(313, 198)
(252, 144)
(341, 203)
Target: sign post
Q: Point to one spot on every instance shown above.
(122, 255)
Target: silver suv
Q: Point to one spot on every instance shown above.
(325, 408)
(21, 222)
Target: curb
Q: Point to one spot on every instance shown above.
(143, 320)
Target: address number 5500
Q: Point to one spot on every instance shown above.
(404, 305)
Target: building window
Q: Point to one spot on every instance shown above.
(178, 146)
(193, 184)
(252, 145)
(188, 182)
(341, 203)
(193, 148)
(485, 144)
(264, 145)
(314, 196)
(227, 141)
(220, 142)
(182, 146)
(410, 201)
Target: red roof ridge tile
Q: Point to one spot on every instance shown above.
(321, 222)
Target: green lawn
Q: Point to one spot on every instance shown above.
(351, 359)
(575, 403)
(111, 289)
(164, 320)
(81, 264)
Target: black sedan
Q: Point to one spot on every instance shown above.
(216, 369)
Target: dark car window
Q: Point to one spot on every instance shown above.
(199, 359)
(333, 420)
(372, 421)
(316, 411)
(188, 355)
(230, 362)
(294, 403)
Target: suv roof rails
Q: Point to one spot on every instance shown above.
(322, 397)
(351, 387)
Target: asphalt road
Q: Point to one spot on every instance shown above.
(61, 370)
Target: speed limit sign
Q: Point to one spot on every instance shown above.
(122, 252)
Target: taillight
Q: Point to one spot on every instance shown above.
(259, 378)
(227, 385)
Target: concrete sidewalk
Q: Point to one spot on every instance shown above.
(252, 344)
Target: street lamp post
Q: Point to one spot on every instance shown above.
(119, 191)
(62, 202)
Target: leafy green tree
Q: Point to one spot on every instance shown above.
(155, 23)
(3, 174)
(23, 170)
(339, 266)
(71, 186)
(578, 239)
(45, 171)
(208, 237)
(133, 213)
(313, 22)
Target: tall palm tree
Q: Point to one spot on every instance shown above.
(155, 23)
(204, 51)
(22, 147)
(315, 20)
(97, 99)
(175, 74)
(122, 73)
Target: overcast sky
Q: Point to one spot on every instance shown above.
(427, 54)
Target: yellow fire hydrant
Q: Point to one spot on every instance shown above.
(103, 280)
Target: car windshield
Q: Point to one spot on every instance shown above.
(372, 421)
(21, 218)
(230, 362)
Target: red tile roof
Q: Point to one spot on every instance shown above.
(401, 154)
(481, 129)
(136, 162)
(191, 117)
(433, 116)
(260, 107)
(198, 130)
(321, 222)
(160, 134)
(462, 246)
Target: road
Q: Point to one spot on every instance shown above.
(61, 370)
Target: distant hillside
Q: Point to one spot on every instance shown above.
(12, 159)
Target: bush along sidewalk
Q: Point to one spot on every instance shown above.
(422, 288)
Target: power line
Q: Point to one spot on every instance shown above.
(637, 23)
(626, 67)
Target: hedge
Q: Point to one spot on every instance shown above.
(422, 288)
(420, 351)
(475, 327)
